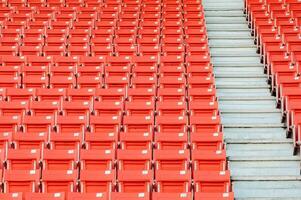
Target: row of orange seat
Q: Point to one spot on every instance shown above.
(138, 119)
(276, 25)
(113, 196)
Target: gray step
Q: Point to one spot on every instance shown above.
(223, 20)
(242, 70)
(242, 92)
(250, 105)
(233, 13)
(251, 118)
(259, 150)
(261, 158)
(233, 52)
(265, 168)
(285, 190)
(249, 134)
(226, 34)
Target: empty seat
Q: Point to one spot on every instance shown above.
(54, 181)
(173, 181)
(96, 181)
(23, 159)
(60, 159)
(134, 159)
(97, 159)
(135, 181)
(21, 181)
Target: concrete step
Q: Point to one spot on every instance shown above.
(218, 52)
(267, 190)
(249, 134)
(224, 20)
(228, 13)
(259, 150)
(265, 168)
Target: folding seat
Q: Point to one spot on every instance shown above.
(107, 108)
(175, 196)
(54, 50)
(90, 82)
(8, 60)
(67, 141)
(11, 32)
(116, 69)
(30, 50)
(61, 23)
(171, 94)
(36, 3)
(59, 159)
(149, 50)
(61, 81)
(134, 159)
(167, 141)
(171, 159)
(32, 41)
(147, 41)
(94, 159)
(214, 195)
(132, 196)
(96, 181)
(90, 66)
(110, 94)
(54, 94)
(17, 94)
(22, 159)
(5, 140)
(103, 141)
(172, 71)
(44, 108)
(136, 141)
(55, 38)
(172, 82)
(35, 82)
(12, 27)
(140, 108)
(104, 124)
(9, 41)
(9, 50)
(47, 196)
(78, 41)
(144, 81)
(71, 124)
(204, 160)
(8, 81)
(37, 124)
(91, 196)
(171, 108)
(13, 108)
(75, 108)
(10, 123)
(204, 108)
(201, 95)
(101, 40)
(172, 124)
(135, 181)
(29, 140)
(79, 34)
(212, 181)
(58, 181)
(205, 123)
(78, 50)
(126, 50)
(21, 181)
(37, 61)
(80, 95)
(138, 124)
(37, 24)
(104, 32)
(104, 50)
(12, 196)
(169, 181)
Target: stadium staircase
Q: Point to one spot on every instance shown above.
(261, 157)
